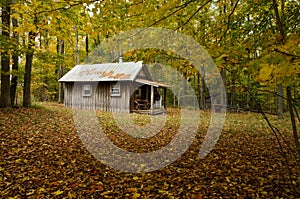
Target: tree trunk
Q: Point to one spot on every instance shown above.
(232, 96)
(179, 87)
(248, 93)
(77, 48)
(45, 79)
(60, 52)
(15, 67)
(203, 88)
(224, 76)
(87, 46)
(278, 21)
(184, 86)
(5, 58)
(294, 127)
(199, 89)
(280, 102)
(28, 66)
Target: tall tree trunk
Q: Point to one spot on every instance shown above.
(232, 96)
(28, 66)
(179, 87)
(77, 48)
(282, 39)
(199, 89)
(248, 93)
(278, 21)
(60, 52)
(15, 66)
(87, 46)
(293, 121)
(248, 78)
(224, 76)
(45, 87)
(184, 86)
(5, 58)
(280, 101)
(203, 88)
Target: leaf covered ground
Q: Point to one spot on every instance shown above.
(42, 156)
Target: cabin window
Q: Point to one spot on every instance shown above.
(138, 93)
(86, 90)
(116, 90)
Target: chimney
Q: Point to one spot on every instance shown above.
(120, 60)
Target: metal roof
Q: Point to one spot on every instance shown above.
(153, 83)
(103, 72)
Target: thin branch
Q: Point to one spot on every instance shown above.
(294, 126)
(295, 109)
(60, 8)
(285, 53)
(264, 91)
(228, 21)
(286, 142)
(66, 8)
(193, 15)
(178, 8)
(274, 130)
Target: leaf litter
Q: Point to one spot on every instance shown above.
(42, 156)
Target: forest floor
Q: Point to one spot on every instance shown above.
(42, 156)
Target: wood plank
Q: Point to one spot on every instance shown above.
(152, 99)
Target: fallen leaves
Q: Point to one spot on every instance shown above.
(41, 156)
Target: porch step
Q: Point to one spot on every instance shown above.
(148, 112)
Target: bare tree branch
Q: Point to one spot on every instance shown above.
(285, 53)
(178, 8)
(228, 21)
(193, 15)
(70, 5)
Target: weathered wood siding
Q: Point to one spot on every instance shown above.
(100, 98)
(68, 88)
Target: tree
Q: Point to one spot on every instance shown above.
(5, 56)
(15, 65)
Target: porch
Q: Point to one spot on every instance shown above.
(151, 112)
(147, 99)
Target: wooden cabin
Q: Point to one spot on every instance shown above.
(117, 87)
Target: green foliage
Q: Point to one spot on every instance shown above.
(242, 36)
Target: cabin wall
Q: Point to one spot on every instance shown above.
(100, 97)
(68, 88)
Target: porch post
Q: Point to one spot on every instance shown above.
(152, 99)
(165, 98)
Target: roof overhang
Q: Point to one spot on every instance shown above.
(152, 83)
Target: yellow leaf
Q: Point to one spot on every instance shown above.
(105, 193)
(58, 192)
(30, 192)
(136, 195)
(132, 189)
(40, 190)
(71, 195)
(227, 179)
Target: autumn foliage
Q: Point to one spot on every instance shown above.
(41, 156)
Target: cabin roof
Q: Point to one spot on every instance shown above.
(153, 83)
(103, 72)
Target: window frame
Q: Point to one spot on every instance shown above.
(114, 88)
(86, 87)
